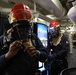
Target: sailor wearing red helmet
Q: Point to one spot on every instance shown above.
(58, 48)
(22, 49)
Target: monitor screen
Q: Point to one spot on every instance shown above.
(40, 64)
(42, 33)
(41, 30)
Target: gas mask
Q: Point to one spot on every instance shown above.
(21, 30)
(54, 32)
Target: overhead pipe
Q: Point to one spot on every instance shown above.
(53, 5)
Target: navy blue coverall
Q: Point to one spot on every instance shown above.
(58, 56)
(21, 64)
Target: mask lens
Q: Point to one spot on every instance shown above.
(54, 32)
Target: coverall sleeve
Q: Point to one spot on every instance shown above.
(43, 52)
(63, 52)
(65, 46)
(3, 61)
(39, 46)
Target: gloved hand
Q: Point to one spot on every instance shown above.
(13, 49)
(30, 49)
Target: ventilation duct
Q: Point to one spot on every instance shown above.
(52, 6)
(39, 15)
(72, 14)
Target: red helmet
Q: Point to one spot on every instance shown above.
(20, 12)
(54, 29)
(54, 23)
